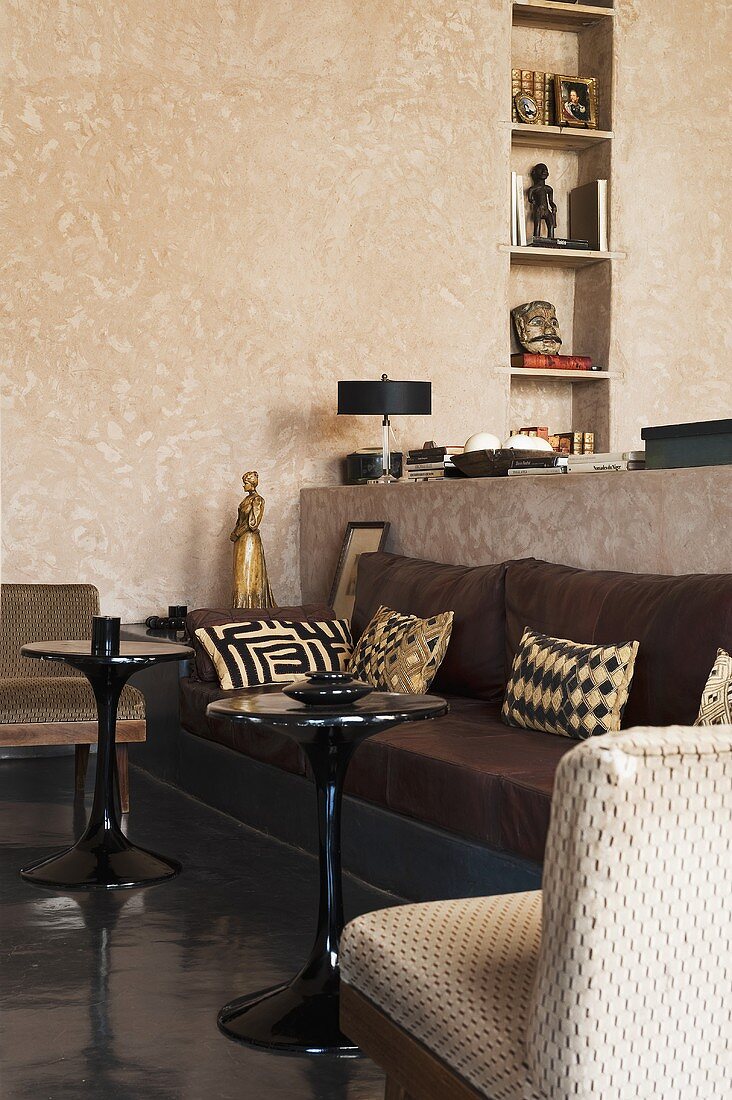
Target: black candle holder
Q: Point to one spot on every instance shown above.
(105, 636)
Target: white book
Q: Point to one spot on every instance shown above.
(596, 467)
(520, 210)
(514, 222)
(610, 456)
(524, 470)
(602, 214)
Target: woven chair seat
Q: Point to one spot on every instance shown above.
(61, 699)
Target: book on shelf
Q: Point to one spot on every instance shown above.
(520, 210)
(588, 443)
(600, 464)
(535, 361)
(515, 89)
(514, 211)
(570, 443)
(588, 214)
(609, 456)
(431, 454)
(518, 471)
(539, 461)
(538, 430)
(538, 94)
(527, 81)
(549, 115)
(559, 242)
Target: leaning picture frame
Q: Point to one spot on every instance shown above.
(360, 538)
(575, 101)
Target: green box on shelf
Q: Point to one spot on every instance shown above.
(672, 446)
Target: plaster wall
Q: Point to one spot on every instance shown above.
(217, 209)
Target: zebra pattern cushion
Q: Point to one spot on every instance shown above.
(568, 688)
(401, 653)
(266, 652)
(715, 708)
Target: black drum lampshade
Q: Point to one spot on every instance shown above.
(385, 398)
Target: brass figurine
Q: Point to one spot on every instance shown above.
(251, 585)
(537, 328)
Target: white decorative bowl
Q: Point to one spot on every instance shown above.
(528, 443)
(482, 441)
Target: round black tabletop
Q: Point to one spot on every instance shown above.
(129, 652)
(279, 710)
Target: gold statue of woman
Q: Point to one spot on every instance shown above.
(251, 586)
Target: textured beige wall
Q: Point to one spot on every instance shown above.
(218, 208)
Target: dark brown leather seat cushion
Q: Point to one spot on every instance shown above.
(269, 747)
(680, 623)
(467, 773)
(474, 662)
(203, 668)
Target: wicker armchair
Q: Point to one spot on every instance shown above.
(619, 988)
(45, 703)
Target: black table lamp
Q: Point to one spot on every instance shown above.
(384, 399)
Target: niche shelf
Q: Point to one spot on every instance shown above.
(569, 376)
(548, 15)
(528, 256)
(567, 138)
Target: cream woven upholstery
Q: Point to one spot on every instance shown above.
(627, 990)
(38, 692)
(458, 976)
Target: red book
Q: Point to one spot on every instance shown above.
(552, 362)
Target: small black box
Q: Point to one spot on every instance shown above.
(673, 446)
(363, 466)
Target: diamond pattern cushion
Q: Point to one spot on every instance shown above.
(458, 976)
(401, 653)
(715, 708)
(568, 688)
(250, 654)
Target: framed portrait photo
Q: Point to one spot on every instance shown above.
(360, 538)
(575, 100)
(526, 107)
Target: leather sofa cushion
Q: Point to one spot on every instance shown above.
(267, 746)
(474, 663)
(203, 668)
(680, 623)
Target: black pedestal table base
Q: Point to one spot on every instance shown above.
(103, 858)
(302, 1016)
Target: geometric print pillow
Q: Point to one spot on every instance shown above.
(401, 653)
(568, 688)
(266, 652)
(715, 708)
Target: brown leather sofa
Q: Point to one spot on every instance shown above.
(468, 773)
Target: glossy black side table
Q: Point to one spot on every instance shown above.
(301, 1016)
(103, 857)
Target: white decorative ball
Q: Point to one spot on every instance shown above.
(482, 441)
(528, 443)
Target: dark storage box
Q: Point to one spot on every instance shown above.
(708, 443)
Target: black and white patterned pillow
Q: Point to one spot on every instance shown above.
(269, 652)
(568, 688)
(715, 708)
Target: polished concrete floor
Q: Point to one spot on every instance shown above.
(115, 995)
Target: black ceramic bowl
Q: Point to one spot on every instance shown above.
(326, 688)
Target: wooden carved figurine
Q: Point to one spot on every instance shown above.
(251, 585)
(541, 198)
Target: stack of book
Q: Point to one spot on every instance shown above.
(539, 462)
(563, 443)
(540, 86)
(431, 463)
(610, 460)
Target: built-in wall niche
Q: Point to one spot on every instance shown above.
(553, 37)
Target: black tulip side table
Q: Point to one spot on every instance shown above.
(103, 858)
(301, 1016)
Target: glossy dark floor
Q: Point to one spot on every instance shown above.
(115, 995)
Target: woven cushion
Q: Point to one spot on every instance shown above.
(264, 652)
(401, 653)
(632, 995)
(457, 976)
(61, 699)
(715, 708)
(568, 688)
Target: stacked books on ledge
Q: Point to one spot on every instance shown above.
(563, 443)
(431, 463)
(538, 462)
(608, 461)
